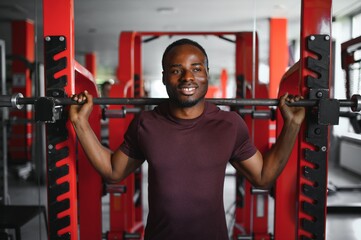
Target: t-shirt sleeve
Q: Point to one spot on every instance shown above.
(244, 148)
(130, 145)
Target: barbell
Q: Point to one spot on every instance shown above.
(18, 100)
(50, 109)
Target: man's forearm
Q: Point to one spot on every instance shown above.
(276, 158)
(98, 155)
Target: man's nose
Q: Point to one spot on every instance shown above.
(187, 75)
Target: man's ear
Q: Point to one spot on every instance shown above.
(163, 80)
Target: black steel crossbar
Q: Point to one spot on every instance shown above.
(216, 101)
(157, 101)
(18, 100)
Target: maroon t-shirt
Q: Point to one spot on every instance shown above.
(187, 161)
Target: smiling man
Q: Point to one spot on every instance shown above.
(184, 93)
(188, 143)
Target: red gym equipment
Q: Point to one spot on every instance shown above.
(300, 191)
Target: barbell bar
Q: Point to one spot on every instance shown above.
(255, 114)
(17, 101)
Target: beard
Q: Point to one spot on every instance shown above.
(186, 102)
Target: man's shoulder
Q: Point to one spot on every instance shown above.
(218, 111)
(155, 113)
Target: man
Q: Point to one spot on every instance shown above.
(105, 88)
(187, 143)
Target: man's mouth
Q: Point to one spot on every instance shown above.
(188, 90)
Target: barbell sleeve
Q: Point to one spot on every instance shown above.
(11, 100)
(111, 113)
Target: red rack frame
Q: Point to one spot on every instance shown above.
(74, 194)
(300, 192)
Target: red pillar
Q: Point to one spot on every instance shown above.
(278, 54)
(224, 78)
(91, 63)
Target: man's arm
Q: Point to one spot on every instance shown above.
(113, 167)
(262, 171)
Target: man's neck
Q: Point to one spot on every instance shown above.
(187, 112)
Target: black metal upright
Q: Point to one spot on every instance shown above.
(56, 134)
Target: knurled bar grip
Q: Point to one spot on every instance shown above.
(17, 100)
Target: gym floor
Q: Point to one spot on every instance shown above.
(338, 226)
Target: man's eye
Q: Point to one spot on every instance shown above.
(175, 71)
(197, 70)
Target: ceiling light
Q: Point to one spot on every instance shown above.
(166, 10)
(92, 30)
(279, 6)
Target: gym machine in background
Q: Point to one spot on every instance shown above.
(351, 64)
(349, 145)
(14, 216)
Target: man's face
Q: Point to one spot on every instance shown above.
(106, 90)
(185, 75)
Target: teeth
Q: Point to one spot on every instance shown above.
(188, 89)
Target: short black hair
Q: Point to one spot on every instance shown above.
(180, 42)
(104, 85)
